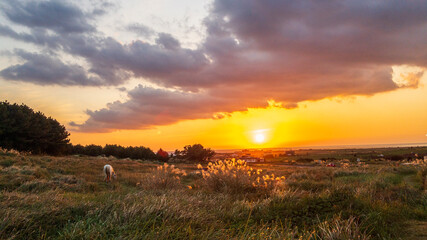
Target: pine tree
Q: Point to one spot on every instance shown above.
(23, 129)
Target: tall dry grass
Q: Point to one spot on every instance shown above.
(163, 177)
(341, 229)
(235, 176)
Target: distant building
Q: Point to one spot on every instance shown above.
(249, 159)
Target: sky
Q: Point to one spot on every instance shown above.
(224, 73)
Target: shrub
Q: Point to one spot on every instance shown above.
(165, 176)
(236, 177)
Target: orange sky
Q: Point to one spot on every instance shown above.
(157, 73)
(391, 117)
(395, 117)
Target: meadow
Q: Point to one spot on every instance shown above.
(44, 197)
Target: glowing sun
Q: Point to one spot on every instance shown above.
(259, 138)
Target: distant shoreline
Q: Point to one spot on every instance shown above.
(331, 147)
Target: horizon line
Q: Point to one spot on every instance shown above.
(331, 147)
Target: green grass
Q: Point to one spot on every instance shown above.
(65, 198)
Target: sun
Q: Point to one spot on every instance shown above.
(259, 138)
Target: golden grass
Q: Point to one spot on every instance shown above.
(45, 197)
(235, 176)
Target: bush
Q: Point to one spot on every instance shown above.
(236, 177)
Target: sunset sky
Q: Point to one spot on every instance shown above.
(224, 73)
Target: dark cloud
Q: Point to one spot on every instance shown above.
(154, 107)
(254, 51)
(168, 41)
(37, 36)
(158, 62)
(56, 15)
(47, 70)
(329, 30)
(108, 59)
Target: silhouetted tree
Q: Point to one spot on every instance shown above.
(78, 149)
(111, 150)
(162, 155)
(196, 152)
(25, 130)
(93, 150)
(140, 153)
(178, 154)
(115, 151)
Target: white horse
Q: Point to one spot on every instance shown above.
(109, 172)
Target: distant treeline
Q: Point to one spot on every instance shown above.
(24, 130)
(193, 153)
(115, 151)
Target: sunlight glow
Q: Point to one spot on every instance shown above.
(259, 138)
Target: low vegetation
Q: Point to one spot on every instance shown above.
(45, 197)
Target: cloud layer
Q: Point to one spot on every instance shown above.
(254, 51)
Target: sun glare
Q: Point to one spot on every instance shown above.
(259, 138)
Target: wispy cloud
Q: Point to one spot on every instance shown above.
(140, 30)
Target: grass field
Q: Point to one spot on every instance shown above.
(45, 197)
